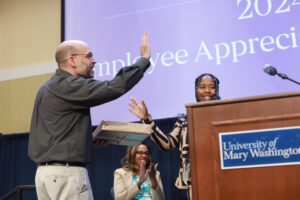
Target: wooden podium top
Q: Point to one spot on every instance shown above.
(243, 99)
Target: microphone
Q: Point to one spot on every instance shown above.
(270, 70)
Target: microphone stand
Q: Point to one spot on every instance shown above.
(283, 76)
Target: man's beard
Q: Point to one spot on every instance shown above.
(91, 71)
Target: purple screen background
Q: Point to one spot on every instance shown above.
(231, 39)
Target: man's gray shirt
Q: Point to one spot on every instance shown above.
(61, 122)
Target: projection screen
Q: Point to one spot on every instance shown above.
(231, 39)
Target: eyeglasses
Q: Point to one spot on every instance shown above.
(142, 152)
(88, 55)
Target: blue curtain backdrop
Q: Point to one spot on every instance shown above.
(17, 169)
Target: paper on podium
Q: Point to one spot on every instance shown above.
(122, 133)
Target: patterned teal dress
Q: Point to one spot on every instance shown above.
(145, 189)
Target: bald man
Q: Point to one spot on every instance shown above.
(60, 139)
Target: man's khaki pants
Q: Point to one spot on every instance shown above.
(63, 183)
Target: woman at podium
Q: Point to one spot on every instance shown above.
(206, 89)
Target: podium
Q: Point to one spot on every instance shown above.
(206, 120)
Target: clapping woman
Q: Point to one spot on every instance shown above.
(138, 178)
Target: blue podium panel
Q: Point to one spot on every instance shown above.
(260, 148)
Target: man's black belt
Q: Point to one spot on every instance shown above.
(62, 163)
